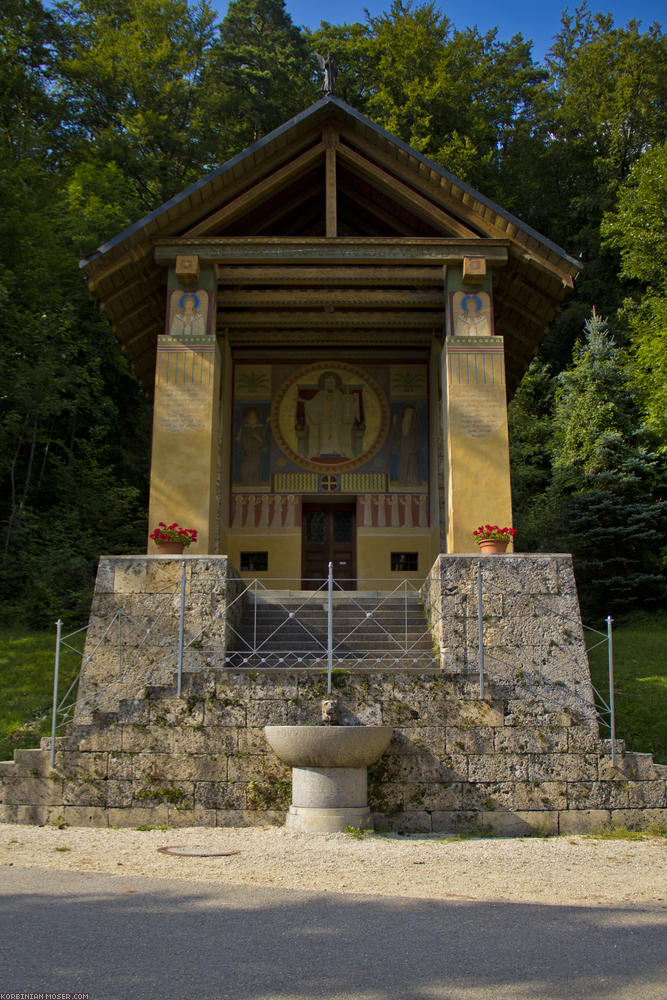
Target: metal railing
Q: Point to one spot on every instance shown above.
(393, 628)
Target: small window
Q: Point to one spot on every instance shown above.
(254, 562)
(404, 562)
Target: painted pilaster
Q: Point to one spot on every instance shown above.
(474, 417)
(186, 412)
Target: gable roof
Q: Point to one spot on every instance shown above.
(269, 204)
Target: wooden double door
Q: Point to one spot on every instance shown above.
(329, 534)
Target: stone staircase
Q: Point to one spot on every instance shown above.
(289, 629)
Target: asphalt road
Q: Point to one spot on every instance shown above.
(127, 938)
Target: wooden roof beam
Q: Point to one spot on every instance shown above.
(406, 195)
(326, 275)
(370, 298)
(345, 250)
(344, 318)
(244, 202)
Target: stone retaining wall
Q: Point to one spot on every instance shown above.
(455, 762)
(525, 758)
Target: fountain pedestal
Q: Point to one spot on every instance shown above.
(329, 773)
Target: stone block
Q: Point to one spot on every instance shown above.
(89, 792)
(582, 821)
(191, 817)
(635, 766)
(252, 740)
(103, 738)
(494, 767)
(225, 711)
(476, 713)
(29, 790)
(181, 767)
(413, 822)
(639, 819)
(135, 710)
(446, 821)
(562, 767)
(646, 794)
(597, 795)
(429, 738)
(120, 766)
(248, 766)
(163, 791)
(36, 763)
(267, 712)
(78, 766)
(247, 817)
(162, 739)
(29, 815)
(157, 815)
(386, 796)
(545, 795)
(533, 740)
(95, 816)
(176, 712)
(427, 767)
(581, 739)
(470, 740)
(489, 796)
(542, 823)
(433, 795)
(119, 794)
(216, 795)
(360, 715)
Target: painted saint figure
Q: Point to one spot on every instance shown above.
(407, 441)
(189, 319)
(473, 318)
(252, 439)
(331, 416)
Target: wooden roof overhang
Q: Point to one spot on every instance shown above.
(330, 226)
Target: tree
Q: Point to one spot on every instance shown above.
(637, 228)
(136, 70)
(605, 502)
(605, 105)
(263, 69)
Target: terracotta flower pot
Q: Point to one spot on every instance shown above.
(491, 546)
(171, 548)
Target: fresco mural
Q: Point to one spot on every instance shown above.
(330, 427)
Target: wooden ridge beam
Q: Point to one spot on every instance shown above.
(259, 192)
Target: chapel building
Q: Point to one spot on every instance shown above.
(330, 325)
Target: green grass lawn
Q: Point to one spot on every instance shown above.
(640, 667)
(26, 686)
(640, 681)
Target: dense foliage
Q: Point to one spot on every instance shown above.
(109, 107)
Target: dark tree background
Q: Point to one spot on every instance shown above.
(109, 107)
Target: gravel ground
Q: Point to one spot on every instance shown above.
(564, 870)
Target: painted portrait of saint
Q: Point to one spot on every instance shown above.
(188, 318)
(471, 314)
(408, 445)
(251, 446)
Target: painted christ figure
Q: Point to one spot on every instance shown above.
(330, 417)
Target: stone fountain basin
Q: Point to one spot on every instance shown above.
(328, 746)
